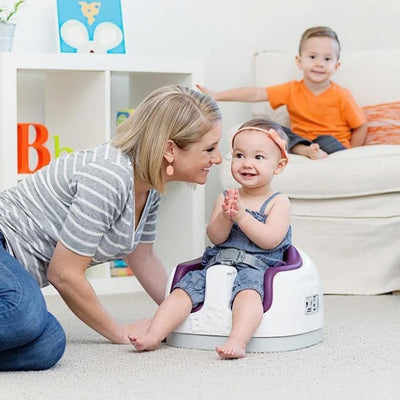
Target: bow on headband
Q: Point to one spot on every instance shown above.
(271, 133)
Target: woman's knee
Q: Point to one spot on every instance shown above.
(53, 341)
(49, 347)
(24, 319)
(40, 354)
(23, 312)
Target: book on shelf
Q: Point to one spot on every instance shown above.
(122, 115)
(119, 268)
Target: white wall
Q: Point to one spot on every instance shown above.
(226, 33)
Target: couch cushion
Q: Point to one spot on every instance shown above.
(360, 171)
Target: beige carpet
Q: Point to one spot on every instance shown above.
(359, 359)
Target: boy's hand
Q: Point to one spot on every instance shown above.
(205, 90)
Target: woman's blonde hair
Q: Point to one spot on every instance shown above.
(172, 112)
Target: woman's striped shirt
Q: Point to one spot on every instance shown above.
(86, 201)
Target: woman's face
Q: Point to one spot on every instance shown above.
(193, 164)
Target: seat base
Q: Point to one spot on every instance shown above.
(293, 318)
(256, 344)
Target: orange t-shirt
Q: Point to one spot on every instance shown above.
(333, 112)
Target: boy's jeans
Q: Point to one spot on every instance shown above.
(327, 143)
(30, 337)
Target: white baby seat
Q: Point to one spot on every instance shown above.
(293, 307)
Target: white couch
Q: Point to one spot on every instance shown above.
(346, 208)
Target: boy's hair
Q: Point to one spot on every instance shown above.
(319, 31)
(173, 112)
(266, 124)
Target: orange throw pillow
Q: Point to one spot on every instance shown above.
(383, 123)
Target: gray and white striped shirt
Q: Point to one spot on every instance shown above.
(86, 201)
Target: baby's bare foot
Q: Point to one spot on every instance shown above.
(144, 342)
(231, 349)
(315, 152)
(139, 327)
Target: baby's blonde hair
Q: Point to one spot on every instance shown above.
(172, 112)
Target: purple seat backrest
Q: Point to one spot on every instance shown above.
(292, 261)
(291, 258)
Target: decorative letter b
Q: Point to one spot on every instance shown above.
(43, 153)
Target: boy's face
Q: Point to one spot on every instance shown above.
(318, 59)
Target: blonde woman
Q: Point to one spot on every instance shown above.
(94, 206)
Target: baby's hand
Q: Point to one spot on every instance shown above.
(237, 211)
(231, 205)
(227, 204)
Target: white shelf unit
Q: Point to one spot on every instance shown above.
(76, 97)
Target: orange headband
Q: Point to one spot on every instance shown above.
(271, 133)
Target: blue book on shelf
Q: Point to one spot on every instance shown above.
(120, 263)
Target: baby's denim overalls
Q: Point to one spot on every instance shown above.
(248, 277)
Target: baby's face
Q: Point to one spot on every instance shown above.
(319, 58)
(255, 159)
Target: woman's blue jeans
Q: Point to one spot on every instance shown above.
(30, 337)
